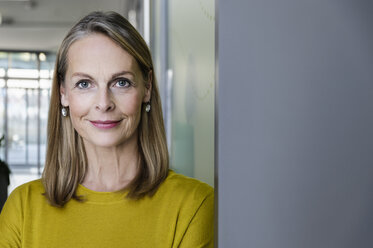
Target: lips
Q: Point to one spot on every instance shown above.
(105, 124)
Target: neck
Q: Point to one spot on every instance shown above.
(111, 168)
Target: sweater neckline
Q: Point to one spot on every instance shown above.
(101, 197)
(107, 197)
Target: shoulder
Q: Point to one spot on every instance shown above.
(27, 191)
(181, 183)
(22, 198)
(35, 185)
(191, 203)
(14, 213)
(183, 188)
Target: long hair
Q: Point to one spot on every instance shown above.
(66, 161)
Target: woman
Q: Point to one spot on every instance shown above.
(106, 181)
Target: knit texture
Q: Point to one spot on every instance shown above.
(180, 214)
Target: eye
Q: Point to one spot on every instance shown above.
(83, 84)
(123, 83)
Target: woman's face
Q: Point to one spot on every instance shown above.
(104, 90)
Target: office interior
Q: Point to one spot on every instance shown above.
(268, 101)
(30, 34)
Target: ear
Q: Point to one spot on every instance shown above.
(148, 87)
(63, 96)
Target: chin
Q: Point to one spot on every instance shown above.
(109, 141)
(105, 144)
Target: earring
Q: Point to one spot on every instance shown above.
(147, 108)
(64, 111)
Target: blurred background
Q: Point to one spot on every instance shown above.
(181, 37)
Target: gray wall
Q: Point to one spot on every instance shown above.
(294, 113)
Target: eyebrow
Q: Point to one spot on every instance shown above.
(81, 74)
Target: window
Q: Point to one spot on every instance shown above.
(25, 81)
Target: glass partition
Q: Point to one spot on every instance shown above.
(192, 62)
(16, 133)
(2, 116)
(25, 81)
(183, 46)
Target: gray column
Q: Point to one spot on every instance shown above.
(295, 123)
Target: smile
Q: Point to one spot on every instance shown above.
(105, 124)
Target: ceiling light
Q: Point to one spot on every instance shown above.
(42, 57)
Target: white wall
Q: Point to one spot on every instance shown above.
(43, 26)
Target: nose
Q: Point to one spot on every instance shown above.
(104, 101)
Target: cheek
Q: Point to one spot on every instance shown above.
(78, 105)
(78, 109)
(132, 105)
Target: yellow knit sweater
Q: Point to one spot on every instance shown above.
(180, 214)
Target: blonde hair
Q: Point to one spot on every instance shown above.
(66, 161)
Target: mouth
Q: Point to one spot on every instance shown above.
(105, 124)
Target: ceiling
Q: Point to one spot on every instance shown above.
(40, 25)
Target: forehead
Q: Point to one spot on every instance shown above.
(97, 53)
